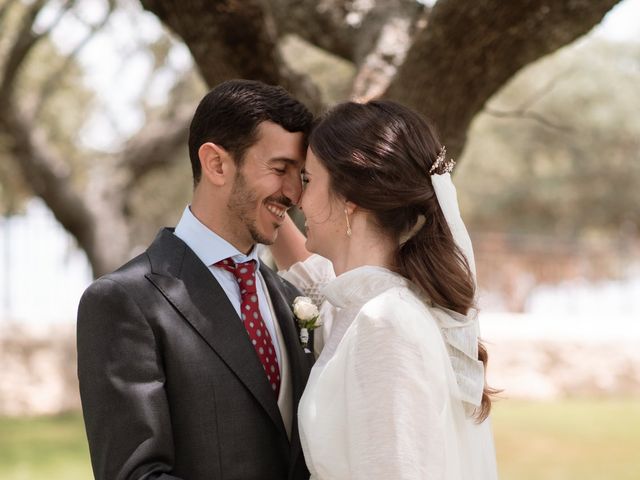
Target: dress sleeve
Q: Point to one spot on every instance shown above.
(395, 394)
(310, 276)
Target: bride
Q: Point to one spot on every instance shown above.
(398, 390)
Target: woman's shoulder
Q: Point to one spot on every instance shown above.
(399, 309)
(395, 326)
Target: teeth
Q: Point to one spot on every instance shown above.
(279, 212)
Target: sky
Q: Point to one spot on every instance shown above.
(42, 274)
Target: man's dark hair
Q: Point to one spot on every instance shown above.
(229, 116)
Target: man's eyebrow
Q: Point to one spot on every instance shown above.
(287, 160)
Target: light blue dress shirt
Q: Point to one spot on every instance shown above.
(210, 248)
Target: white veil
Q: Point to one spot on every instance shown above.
(460, 331)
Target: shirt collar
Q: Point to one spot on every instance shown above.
(208, 246)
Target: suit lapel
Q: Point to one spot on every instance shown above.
(300, 364)
(189, 286)
(287, 322)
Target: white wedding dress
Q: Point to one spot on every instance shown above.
(382, 400)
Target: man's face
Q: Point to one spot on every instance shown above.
(265, 186)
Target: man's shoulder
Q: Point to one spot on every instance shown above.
(132, 271)
(126, 278)
(166, 248)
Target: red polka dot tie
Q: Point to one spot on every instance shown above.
(245, 274)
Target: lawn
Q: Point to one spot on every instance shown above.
(568, 440)
(51, 448)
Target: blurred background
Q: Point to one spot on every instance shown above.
(539, 103)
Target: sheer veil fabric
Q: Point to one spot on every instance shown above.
(461, 332)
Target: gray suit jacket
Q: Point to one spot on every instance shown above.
(171, 386)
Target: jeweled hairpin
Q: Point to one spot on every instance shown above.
(441, 165)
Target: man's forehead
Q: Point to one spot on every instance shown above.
(267, 128)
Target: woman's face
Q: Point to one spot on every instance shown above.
(324, 213)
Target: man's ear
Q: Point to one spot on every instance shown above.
(216, 163)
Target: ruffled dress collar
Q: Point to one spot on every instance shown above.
(355, 287)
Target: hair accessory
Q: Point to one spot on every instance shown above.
(346, 214)
(441, 165)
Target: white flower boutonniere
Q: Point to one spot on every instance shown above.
(308, 316)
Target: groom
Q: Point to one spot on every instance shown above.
(189, 358)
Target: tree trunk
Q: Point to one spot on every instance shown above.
(466, 54)
(232, 39)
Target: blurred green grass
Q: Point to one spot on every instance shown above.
(568, 440)
(565, 440)
(52, 448)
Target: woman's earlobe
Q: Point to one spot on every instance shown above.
(349, 207)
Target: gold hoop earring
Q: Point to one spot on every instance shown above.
(346, 214)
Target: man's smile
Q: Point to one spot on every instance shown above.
(277, 210)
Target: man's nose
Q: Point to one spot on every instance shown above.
(292, 188)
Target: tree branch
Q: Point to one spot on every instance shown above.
(523, 112)
(156, 145)
(226, 38)
(54, 79)
(527, 114)
(25, 41)
(105, 241)
(48, 177)
(467, 54)
(230, 39)
(381, 64)
(345, 28)
(321, 23)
